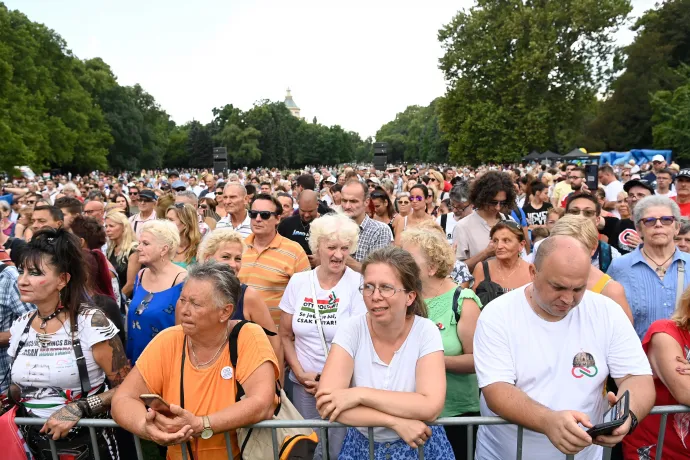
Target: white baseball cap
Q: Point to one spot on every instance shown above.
(658, 158)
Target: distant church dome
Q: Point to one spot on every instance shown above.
(290, 104)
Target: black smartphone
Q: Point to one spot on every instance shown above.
(613, 418)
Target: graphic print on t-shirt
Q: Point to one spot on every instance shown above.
(328, 310)
(623, 238)
(584, 365)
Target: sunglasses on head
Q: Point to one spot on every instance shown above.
(265, 215)
(651, 221)
(511, 223)
(144, 304)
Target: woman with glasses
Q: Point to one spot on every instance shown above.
(403, 204)
(122, 250)
(156, 288)
(185, 218)
(305, 337)
(507, 269)
(386, 368)
(456, 321)
(418, 197)
(383, 208)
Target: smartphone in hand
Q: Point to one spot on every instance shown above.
(613, 418)
(157, 403)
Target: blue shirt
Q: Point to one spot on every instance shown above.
(159, 314)
(650, 297)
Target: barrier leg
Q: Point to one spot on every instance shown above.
(420, 452)
(325, 454)
(662, 433)
(228, 444)
(606, 455)
(137, 447)
(183, 447)
(370, 432)
(519, 443)
(53, 449)
(470, 441)
(274, 436)
(94, 443)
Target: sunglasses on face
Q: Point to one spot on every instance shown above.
(203, 206)
(584, 212)
(416, 198)
(30, 201)
(265, 215)
(134, 193)
(651, 221)
(432, 179)
(403, 203)
(494, 203)
(144, 304)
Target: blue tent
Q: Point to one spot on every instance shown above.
(640, 156)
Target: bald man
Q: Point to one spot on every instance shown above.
(235, 203)
(543, 353)
(296, 227)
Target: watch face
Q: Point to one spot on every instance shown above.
(207, 433)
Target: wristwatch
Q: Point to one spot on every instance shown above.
(633, 422)
(207, 432)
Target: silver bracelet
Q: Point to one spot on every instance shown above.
(95, 403)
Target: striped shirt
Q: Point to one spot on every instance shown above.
(270, 270)
(244, 229)
(651, 298)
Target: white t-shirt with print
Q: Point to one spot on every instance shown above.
(335, 306)
(400, 375)
(46, 374)
(562, 365)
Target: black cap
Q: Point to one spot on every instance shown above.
(147, 195)
(174, 173)
(638, 183)
(684, 173)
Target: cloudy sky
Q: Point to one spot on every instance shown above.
(355, 63)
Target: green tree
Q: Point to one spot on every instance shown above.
(671, 118)
(199, 146)
(521, 71)
(645, 66)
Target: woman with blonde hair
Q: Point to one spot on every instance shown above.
(226, 246)
(308, 325)
(185, 218)
(583, 230)
(157, 287)
(122, 250)
(22, 229)
(455, 311)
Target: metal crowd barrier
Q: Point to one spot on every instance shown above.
(323, 426)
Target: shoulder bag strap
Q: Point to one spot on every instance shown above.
(184, 358)
(487, 275)
(681, 281)
(84, 381)
(456, 297)
(317, 313)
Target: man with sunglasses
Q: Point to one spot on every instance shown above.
(585, 204)
(147, 202)
(270, 259)
(658, 164)
(563, 188)
(650, 274)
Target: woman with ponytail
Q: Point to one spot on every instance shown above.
(63, 351)
(386, 368)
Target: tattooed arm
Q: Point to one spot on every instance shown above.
(110, 356)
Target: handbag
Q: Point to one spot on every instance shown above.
(487, 289)
(256, 443)
(11, 439)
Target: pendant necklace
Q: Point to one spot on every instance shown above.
(44, 338)
(660, 270)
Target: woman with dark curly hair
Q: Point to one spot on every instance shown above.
(488, 194)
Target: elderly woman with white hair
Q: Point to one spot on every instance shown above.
(306, 332)
(226, 246)
(156, 287)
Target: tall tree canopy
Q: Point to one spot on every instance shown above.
(521, 73)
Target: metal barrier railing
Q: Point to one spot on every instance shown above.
(323, 426)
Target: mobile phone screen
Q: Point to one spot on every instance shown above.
(617, 411)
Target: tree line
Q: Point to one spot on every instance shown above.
(57, 111)
(545, 75)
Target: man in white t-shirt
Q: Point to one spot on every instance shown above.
(612, 187)
(460, 207)
(543, 353)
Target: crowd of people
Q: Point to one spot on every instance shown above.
(381, 299)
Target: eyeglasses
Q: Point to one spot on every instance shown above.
(651, 221)
(144, 303)
(265, 215)
(403, 203)
(385, 290)
(584, 212)
(459, 207)
(494, 203)
(416, 198)
(575, 177)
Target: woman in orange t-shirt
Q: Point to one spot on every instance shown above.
(204, 309)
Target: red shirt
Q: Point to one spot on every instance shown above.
(684, 207)
(642, 443)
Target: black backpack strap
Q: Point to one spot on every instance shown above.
(487, 275)
(2, 267)
(84, 381)
(456, 297)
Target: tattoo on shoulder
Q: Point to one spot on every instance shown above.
(120, 363)
(98, 319)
